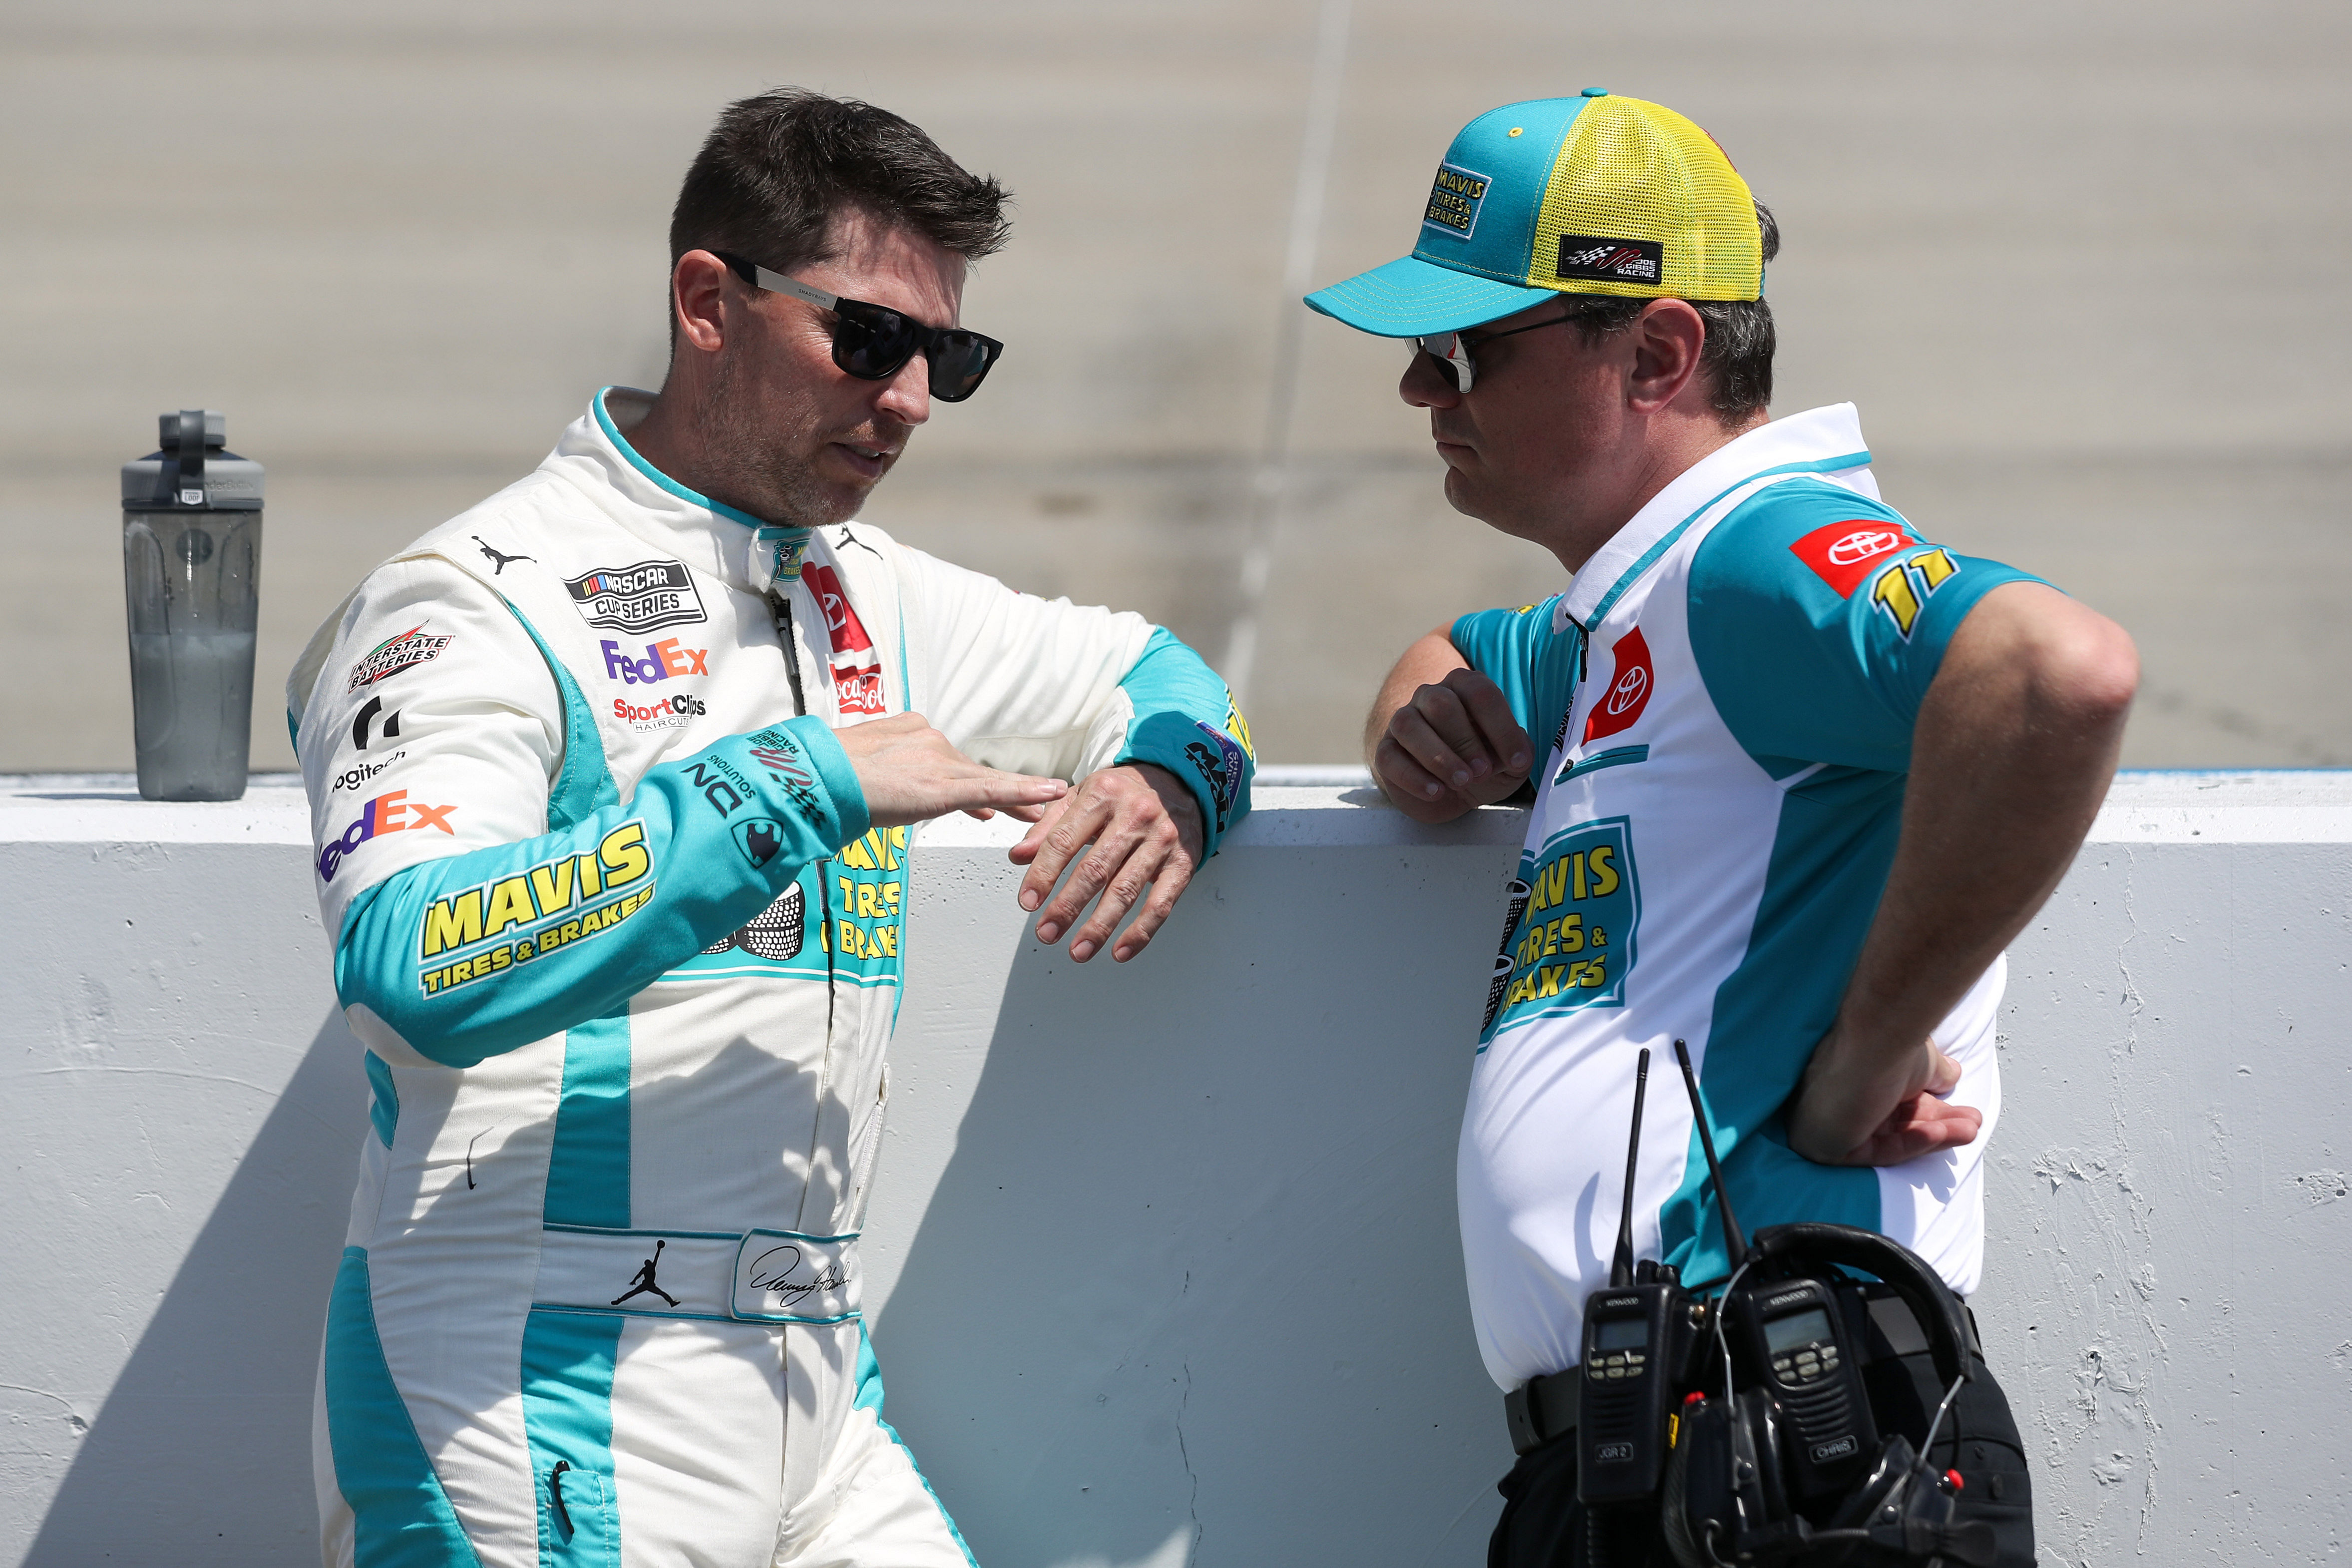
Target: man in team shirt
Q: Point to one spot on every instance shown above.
(1800, 774)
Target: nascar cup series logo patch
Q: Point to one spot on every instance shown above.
(640, 598)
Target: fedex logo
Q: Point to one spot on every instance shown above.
(856, 667)
(384, 814)
(663, 659)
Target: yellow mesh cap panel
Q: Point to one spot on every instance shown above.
(1639, 172)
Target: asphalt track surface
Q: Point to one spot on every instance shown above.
(2082, 267)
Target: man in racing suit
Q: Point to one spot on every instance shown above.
(611, 780)
(1803, 772)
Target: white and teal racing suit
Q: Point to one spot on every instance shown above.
(1728, 689)
(623, 949)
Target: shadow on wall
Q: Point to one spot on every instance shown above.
(202, 1451)
(1191, 1287)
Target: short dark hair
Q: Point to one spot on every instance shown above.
(779, 168)
(1737, 357)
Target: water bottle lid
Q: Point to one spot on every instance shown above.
(198, 474)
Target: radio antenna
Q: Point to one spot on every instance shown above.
(1620, 1268)
(1734, 1245)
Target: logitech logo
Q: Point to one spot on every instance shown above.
(351, 778)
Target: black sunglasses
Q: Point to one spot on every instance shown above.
(1452, 349)
(874, 342)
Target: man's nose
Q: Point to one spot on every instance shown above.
(1424, 386)
(907, 396)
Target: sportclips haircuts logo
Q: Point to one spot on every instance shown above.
(641, 598)
(856, 667)
(382, 814)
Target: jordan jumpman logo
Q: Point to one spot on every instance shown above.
(499, 558)
(645, 1280)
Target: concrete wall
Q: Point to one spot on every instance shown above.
(1223, 1174)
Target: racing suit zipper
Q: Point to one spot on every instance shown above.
(780, 606)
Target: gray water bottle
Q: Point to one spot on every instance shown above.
(190, 571)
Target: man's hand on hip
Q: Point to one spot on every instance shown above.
(1145, 827)
(911, 774)
(1866, 1105)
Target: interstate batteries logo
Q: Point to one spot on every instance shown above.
(1572, 945)
(410, 648)
(635, 599)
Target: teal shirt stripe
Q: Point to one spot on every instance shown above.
(384, 1100)
(1831, 852)
(869, 1398)
(567, 1417)
(714, 839)
(1183, 722)
(399, 1516)
(588, 1166)
(1837, 465)
(584, 785)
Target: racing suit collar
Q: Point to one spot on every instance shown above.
(593, 455)
(1820, 440)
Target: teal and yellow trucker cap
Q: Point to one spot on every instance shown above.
(1591, 194)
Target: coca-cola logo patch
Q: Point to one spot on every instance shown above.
(1842, 554)
(1628, 691)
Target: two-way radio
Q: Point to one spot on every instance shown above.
(1636, 1337)
(1748, 1416)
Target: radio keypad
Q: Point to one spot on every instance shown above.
(1809, 1364)
(1616, 1366)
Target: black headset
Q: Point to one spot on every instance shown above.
(1725, 1500)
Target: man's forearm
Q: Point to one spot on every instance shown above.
(1425, 663)
(2014, 748)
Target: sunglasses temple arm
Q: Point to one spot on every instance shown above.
(777, 283)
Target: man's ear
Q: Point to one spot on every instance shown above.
(697, 296)
(1668, 336)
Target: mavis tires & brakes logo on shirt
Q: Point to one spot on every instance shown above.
(1573, 945)
(538, 904)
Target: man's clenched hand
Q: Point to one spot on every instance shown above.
(911, 774)
(1453, 745)
(1145, 827)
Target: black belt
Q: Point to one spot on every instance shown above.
(1543, 1408)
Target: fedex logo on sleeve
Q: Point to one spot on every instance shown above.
(663, 659)
(390, 813)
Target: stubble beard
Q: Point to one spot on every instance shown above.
(761, 474)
